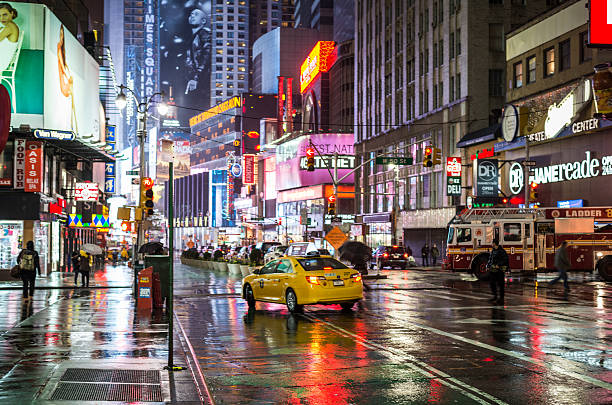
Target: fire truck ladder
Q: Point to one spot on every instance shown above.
(486, 215)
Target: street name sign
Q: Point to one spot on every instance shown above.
(390, 160)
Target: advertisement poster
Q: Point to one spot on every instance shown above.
(71, 83)
(185, 54)
(34, 167)
(291, 160)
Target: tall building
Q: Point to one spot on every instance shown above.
(230, 39)
(427, 72)
(265, 16)
(317, 14)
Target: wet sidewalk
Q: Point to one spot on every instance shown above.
(72, 345)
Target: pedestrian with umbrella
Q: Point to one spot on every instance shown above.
(152, 248)
(356, 253)
(87, 252)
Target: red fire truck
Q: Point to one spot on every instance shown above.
(531, 237)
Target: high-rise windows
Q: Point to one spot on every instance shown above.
(564, 55)
(518, 74)
(549, 62)
(531, 69)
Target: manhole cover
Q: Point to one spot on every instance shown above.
(83, 384)
(77, 391)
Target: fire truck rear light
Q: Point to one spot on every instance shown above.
(405, 255)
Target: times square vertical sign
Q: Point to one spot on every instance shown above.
(149, 73)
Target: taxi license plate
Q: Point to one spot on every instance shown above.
(338, 283)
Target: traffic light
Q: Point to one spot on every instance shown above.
(427, 158)
(436, 156)
(331, 205)
(533, 192)
(310, 159)
(146, 196)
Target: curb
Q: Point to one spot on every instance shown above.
(65, 287)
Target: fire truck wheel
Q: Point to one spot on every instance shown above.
(604, 267)
(479, 267)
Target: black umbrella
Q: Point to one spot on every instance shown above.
(152, 248)
(357, 253)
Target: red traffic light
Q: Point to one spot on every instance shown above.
(428, 150)
(310, 152)
(534, 185)
(504, 200)
(147, 183)
(331, 198)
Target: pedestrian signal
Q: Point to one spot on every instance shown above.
(310, 159)
(331, 205)
(126, 226)
(436, 156)
(427, 158)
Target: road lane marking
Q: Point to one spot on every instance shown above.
(414, 363)
(544, 364)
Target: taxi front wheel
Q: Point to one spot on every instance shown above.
(291, 300)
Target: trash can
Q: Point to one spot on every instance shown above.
(161, 266)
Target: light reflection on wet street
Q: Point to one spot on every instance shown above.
(418, 337)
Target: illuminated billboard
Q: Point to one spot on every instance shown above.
(52, 80)
(291, 167)
(319, 60)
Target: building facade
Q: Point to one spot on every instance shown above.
(422, 79)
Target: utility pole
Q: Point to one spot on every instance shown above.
(170, 304)
(526, 172)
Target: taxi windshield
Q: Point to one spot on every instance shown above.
(321, 263)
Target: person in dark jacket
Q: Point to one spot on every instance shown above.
(76, 263)
(29, 263)
(425, 254)
(562, 264)
(85, 268)
(435, 253)
(497, 265)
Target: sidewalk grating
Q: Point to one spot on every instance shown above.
(111, 376)
(77, 391)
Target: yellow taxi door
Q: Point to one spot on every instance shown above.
(279, 278)
(263, 288)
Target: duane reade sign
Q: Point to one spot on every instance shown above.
(516, 178)
(486, 178)
(584, 169)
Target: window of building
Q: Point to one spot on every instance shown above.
(496, 82)
(441, 53)
(518, 74)
(458, 42)
(585, 51)
(451, 89)
(531, 69)
(441, 11)
(549, 62)
(564, 55)
(435, 96)
(451, 46)
(435, 55)
(426, 60)
(496, 37)
(458, 85)
(441, 93)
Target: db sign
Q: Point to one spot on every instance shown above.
(486, 178)
(600, 23)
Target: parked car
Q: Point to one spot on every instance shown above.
(274, 252)
(264, 246)
(233, 252)
(391, 256)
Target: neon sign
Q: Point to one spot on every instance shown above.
(320, 59)
(218, 109)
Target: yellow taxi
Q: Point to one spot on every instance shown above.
(302, 280)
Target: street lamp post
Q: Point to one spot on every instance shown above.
(143, 111)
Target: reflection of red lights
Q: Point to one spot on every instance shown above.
(488, 359)
(435, 391)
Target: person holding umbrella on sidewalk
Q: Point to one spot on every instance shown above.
(87, 252)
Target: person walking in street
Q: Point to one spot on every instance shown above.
(497, 265)
(124, 254)
(425, 255)
(435, 253)
(76, 263)
(85, 268)
(562, 264)
(29, 263)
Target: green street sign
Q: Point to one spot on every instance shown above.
(390, 160)
(132, 173)
(308, 222)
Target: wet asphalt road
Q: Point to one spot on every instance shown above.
(418, 337)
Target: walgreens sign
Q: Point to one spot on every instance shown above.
(600, 23)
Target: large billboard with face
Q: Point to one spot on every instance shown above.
(185, 54)
(52, 80)
(291, 166)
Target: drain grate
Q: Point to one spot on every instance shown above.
(77, 391)
(111, 376)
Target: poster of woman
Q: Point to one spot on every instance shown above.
(9, 35)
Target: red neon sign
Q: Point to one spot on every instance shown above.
(319, 60)
(600, 23)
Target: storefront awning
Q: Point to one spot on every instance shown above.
(75, 148)
(480, 136)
